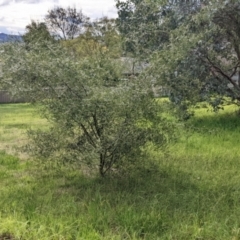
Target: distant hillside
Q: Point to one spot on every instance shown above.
(9, 38)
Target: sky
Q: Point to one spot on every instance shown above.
(16, 14)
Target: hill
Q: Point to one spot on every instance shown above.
(9, 38)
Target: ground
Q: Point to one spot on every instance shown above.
(191, 192)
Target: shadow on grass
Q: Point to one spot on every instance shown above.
(6, 236)
(217, 121)
(141, 203)
(146, 203)
(146, 182)
(17, 126)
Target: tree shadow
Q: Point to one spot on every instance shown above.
(224, 121)
(145, 203)
(141, 183)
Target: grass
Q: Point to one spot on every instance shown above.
(15, 119)
(192, 193)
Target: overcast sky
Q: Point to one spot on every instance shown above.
(16, 14)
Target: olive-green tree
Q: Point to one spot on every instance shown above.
(198, 59)
(202, 58)
(98, 117)
(139, 24)
(146, 25)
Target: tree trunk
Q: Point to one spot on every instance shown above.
(101, 165)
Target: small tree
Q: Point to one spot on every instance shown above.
(65, 23)
(98, 117)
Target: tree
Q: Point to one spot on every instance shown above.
(105, 32)
(223, 59)
(66, 23)
(146, 25)
(139, 23)
(199, 55)
(203, 56)
(100, 34)
(37, 32)
(83, 46)
(97, 116)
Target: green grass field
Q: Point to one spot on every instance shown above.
(15, 119)
(193, 192)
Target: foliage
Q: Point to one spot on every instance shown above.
(83, 46)
(105, 32)
(98, 116)
(221, 55)
(139, 24)
(98, 35)
(65, 23)
(146, 25)
(37, 32)
(202, 56)
(199, 54)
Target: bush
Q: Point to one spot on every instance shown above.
(98, 117)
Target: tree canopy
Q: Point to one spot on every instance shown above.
(37, 32)
(193, 46)
(202, 57)
(100, 34)
(98, 117)
(65, 23)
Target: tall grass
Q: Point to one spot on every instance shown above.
(191, 193)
